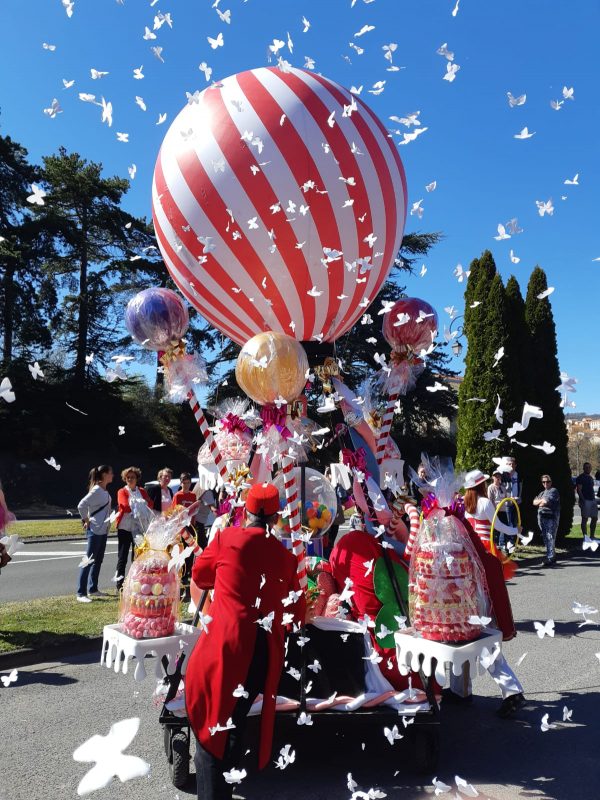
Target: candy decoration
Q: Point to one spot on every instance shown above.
(410, 325)
(262, 183)
(415, 520)
(386, 427)
(409, 328)
(291, 496)
(156, 318)
(208, 435)
(272, 367)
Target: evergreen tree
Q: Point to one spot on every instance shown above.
(98, 254)
(545, 377)
(475, 417)
(517, 349)
(27, 296)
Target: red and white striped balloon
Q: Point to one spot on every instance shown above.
(279, 203)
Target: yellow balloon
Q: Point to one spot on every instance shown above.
(270, 366)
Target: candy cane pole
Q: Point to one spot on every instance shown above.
(190, 541)
(386, 426)
(207, 433)
(291, 496)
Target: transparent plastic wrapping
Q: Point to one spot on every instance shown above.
(448, 593)
(150, 600)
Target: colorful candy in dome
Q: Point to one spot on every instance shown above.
(150, 599)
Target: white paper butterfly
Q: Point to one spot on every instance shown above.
(544, 628)
(6, 392)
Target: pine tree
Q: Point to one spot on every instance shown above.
(27, 296)
(103, 253)
(475, 417)
(518, 350)
(545, 377)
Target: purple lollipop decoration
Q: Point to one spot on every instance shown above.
(156, 318)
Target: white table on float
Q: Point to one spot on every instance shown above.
(435, 658)
(118, 648)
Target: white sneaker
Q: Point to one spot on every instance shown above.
(82, 598)
(97, 593)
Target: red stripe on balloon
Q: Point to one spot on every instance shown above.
(393, 150)
(222, 321)
(387, 189)
(349, 167)
(212, 206)
(303, 167)
(262, 196)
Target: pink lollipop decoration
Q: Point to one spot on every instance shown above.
(409, 328)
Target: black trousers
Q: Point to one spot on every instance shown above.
(210, 783)
(126, 544)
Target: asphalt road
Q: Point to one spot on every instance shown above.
(48, 569)
(56, 707)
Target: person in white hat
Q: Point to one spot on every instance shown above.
(479, 509)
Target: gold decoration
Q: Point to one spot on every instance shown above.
(326, 371)
(272, 366)
(173, 353)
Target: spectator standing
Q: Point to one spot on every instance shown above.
(206, 514)
(479, 509)
(94, 509)
(128, 526)
(587, 500)
(184, 497)
(510, 481)
(548, 506)
(162, 494)
(496, 492)
(6, 516)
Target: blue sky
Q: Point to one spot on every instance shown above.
(484, 176)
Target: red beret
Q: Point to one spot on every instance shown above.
(263, 498)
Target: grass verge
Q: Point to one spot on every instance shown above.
(29, 529)
(53, 621)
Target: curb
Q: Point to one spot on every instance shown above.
(29, 656)
(69, 538)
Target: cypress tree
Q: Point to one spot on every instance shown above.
(472, 415)
(544, 373)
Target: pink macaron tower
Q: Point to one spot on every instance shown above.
(150, 599)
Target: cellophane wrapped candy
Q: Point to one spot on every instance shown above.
(447, 586)
(150, 599)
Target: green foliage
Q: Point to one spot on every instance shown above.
(544, 374)
(27, 297)
(528, 372)
(476, 417)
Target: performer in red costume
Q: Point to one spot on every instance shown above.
(252, 574)
(348, 559)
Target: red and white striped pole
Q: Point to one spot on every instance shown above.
(208, 435)
(190, 541)
(291, 496)
(386, 426)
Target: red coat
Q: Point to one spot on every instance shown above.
(234, 563)
(123, 501)
(347, 560)
(501, 607)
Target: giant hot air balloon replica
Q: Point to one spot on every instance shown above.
(279, 204)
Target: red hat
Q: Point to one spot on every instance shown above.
(263, 499)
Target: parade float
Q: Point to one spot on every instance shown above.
(279, 204)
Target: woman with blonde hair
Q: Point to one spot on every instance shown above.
(128, 526)
(94, 509)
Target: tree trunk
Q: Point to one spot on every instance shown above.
(8, 286)
(83, 321)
